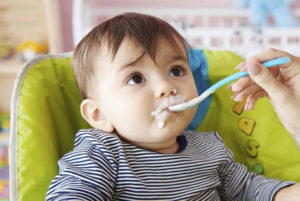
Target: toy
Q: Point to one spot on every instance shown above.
(268, 12)
(6, 51)
(4, 169)
(3, 155)
(30, 48)
(4, 190)
(4, 123)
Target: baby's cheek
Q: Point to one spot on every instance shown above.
(136, 113)
(194, 91)
(190, 90)
(191, 113)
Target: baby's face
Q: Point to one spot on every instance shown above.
(132, 86)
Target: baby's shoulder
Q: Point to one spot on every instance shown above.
(96, 135)
(92, 147)
(98, 139)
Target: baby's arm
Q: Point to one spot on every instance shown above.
(85, 173)
(239, 184)
(290, 193)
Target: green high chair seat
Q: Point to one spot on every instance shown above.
(45, 117)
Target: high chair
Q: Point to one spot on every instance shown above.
(45, 117)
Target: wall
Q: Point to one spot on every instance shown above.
(66, 23)
(166, 3)
(66, 10)
(21, 20)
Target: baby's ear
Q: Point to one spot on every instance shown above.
(90, 111)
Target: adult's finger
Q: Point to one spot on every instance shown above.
(239, 96)
(241, 84)
(269, 55)
(251, 100)
(264, 78)
(265, 56)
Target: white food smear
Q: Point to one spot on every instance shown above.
(161, 113)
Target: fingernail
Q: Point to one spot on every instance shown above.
(240, 65)
(235, 88)
(246, 106)
(254, 69)
(229, 87)
(238, 98)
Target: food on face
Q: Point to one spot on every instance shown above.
(162, 112)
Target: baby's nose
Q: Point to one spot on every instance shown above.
(165, 91)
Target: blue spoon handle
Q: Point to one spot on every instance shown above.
(274, 62)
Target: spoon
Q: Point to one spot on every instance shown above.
(213, 88)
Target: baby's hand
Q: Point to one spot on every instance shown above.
(281, 84)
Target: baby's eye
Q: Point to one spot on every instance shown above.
(136, 78)
(177, 71)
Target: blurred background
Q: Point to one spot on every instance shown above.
(33, 27)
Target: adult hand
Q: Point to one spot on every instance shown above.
(290, 193)
(281, 84)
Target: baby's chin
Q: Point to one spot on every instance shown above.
(174, 122)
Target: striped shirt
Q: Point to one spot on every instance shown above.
(102, 167)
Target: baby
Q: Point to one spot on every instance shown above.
(129, 70)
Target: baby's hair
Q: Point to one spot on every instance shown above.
(146, 30)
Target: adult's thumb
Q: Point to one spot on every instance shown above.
(266, 80)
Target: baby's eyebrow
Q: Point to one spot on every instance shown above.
(178, 57)
(132, 63)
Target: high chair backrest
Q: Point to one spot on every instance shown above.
(45, 117)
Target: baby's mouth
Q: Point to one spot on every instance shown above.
(162, 111)
(166, 103)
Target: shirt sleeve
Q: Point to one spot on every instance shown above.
(239, 184)
(86, 173)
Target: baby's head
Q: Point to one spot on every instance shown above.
(125, 69)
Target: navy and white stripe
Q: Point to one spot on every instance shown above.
(102, 167)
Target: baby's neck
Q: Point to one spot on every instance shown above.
(169, 150)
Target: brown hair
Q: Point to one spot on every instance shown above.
(145, 29)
